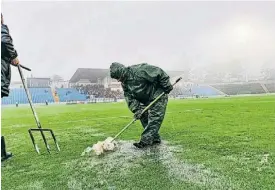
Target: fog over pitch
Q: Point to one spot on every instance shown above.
(59, 37)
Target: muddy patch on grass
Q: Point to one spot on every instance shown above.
(123, 156)
(103, 170)
(192, 173)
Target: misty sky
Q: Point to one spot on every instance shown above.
(59, 37)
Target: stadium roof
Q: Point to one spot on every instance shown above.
(90, 74)
(94, 74)
(38, 78)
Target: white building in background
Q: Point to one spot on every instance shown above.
(16, 84)
(33, 82)
(60, 84)
(113, 84)
(40, 83)
(83, 82)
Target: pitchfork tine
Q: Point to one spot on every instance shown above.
(45, 141)
(33, 142)
(55, 141)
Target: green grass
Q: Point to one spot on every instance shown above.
(209, 144)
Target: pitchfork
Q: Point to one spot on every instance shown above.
(36, 117)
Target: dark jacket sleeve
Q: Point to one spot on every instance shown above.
(8, 51)
(156, 75)
(133, 104)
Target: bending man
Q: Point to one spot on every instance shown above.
(141, 84)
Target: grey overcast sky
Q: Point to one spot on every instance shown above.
(59, 37)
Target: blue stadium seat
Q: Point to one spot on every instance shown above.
(39, 95)
(70, 94)
(205, 90)
(244, 88)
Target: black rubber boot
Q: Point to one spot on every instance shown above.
(157, 141)
(140, 144)
(4, 155)
(7, 156)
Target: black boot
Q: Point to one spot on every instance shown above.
(157, 141)
(4, 155)
(140, 144)
(7, 156)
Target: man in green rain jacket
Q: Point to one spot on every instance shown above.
(141, 84)
(8, 56)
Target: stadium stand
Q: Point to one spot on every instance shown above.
(200, 90)
(55, 95)
(89, 84)
(16, 95)
(98, 91)
(39, 95)
(264, 87)
(96, 76)
(92, 75)
(179, 91)
(70, 94)
(205, 90)
(270, 87)
(242, 88)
